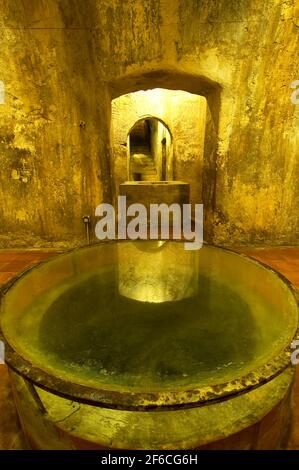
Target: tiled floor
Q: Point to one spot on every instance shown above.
(285, 260)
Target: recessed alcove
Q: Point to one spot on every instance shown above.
(187, 109)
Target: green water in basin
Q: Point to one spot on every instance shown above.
(90, 326)
(157, 344)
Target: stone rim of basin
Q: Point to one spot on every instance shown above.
(134, 400)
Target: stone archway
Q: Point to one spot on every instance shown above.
(150, 150)
(205, 183)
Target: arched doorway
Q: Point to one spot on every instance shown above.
(149, 150)
(195, 147)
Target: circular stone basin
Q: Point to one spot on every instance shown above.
(142, 326)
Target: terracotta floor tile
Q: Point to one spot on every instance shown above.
(14, 255)
(5, 277)
(18, 255)
(17, 265)
(3, 265)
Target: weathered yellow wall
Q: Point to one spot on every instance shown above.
(62, 62)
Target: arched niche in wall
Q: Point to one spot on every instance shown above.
(149, 150)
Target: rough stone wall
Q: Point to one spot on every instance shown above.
(53, 125)
(63, 60)
(185, 116)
